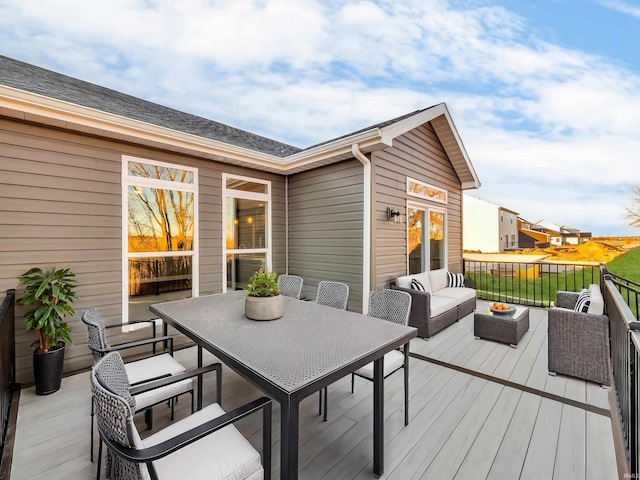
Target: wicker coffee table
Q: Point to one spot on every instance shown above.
(501, 328)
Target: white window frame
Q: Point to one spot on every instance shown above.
(264, 197)
(128, 181)
(426, 254)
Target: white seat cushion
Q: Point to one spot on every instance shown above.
(152, 367)
(392, 362)
(438, 279)
(152, 397)
(423, 278)
(224, 454)
(596, 306)
(441, 304)
(460, 294)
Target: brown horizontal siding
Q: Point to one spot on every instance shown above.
(326, 228)
(60, 206)
(417, 154)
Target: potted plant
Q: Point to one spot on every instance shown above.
(53, 292)
(263, 301)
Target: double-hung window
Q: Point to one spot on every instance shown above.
(246, 229)
(160, 231)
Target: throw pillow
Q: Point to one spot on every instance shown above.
(417, 285)
(455, 280)
(583, 302)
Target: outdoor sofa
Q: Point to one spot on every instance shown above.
(579, 341)
(444, 301)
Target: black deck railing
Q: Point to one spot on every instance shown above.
(7, 362)
(533, 283)
(625, 355)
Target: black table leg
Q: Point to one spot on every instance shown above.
(200, 378)
(378, 417)
(289, 420)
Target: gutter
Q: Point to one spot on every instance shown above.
(366, 226)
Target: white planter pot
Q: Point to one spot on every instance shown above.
(263, 308)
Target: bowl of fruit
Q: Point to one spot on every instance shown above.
(502, 309)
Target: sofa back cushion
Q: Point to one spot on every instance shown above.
(438, 279)
(423, 278)
(596, 306)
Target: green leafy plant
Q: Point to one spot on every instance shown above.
(263, 284)
(54, 291)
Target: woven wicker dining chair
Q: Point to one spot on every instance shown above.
(394, 306)
(290, 285)
(142, 371)
(335, 295)
(202, 445)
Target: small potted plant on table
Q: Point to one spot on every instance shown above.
(54, 292)
(263, 301)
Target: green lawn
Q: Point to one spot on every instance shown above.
(627, 265)
(540, 291)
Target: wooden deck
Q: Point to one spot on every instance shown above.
(478, 410)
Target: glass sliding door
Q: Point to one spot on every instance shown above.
(426, 239)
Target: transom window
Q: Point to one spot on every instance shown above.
(160, 209)
(247, 228)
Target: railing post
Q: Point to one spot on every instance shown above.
(7, 362)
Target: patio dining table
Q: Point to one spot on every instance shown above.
(307, 349)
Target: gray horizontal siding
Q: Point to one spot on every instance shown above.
(60, 206)
(326, 228)
(417, 154)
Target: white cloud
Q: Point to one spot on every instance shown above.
(620, 6)
(306, 71)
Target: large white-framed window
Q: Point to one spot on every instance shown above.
(246, 232)
(160, 234)
(426, 238)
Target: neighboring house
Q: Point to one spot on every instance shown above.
(529, 238)
(488, 228)
(508, 229)
(147, 203)
(561, 234)
(481, 225)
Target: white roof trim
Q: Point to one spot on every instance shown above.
(32, 106)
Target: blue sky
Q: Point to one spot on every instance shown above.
(545, 94)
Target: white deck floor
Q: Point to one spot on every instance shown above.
(483, 411)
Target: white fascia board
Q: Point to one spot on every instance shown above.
(91, 119)
(467, 160)
(36, 104)
(403, 126)
(369, 140)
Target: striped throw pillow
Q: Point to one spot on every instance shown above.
(417, 285)
(455, 280)
(583, 302)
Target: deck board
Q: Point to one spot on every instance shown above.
(467, 421)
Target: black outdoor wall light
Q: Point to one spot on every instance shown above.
(394, 215)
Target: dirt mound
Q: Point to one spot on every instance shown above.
(587, 252)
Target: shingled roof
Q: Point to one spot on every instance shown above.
(30, 78)
(41, 95)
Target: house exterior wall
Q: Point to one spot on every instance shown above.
(326, 228)
(418, 154)
(60, 206)
(480, 225)
(508, 228)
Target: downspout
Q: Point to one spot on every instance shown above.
(286, 224)
(366, 234)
